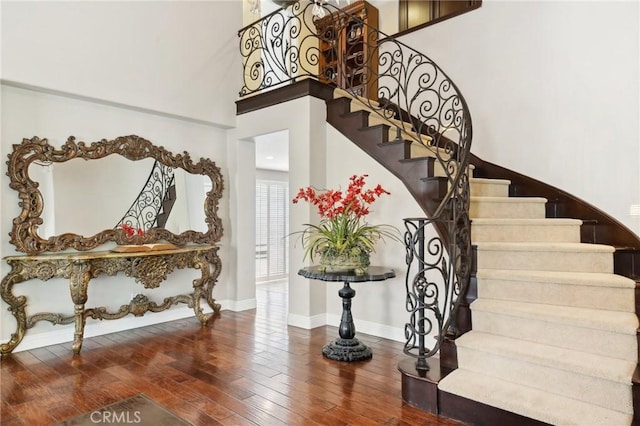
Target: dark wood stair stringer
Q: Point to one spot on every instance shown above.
(393, 155)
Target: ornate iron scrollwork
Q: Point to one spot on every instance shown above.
(437, 271)
(143, 213)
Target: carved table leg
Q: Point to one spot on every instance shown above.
(200, 286)
(16, 307)
(347, 347)
(204, 287)
(214, 263)
(78, 283)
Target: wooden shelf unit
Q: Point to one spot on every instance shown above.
(348, 49)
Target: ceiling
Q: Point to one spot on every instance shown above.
(272, 151)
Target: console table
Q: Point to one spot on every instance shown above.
(347, 347)
(148, 268)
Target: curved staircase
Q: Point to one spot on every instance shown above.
(553, 336)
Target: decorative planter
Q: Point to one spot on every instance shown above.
(345, 262)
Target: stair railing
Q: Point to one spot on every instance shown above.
(144, 210)
(414, 96)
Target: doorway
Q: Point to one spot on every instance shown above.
(272, 224)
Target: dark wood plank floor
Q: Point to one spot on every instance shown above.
(246, 368)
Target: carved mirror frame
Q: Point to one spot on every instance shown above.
(24, 234)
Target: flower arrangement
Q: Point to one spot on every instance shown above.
(130, 231)
(343, 232)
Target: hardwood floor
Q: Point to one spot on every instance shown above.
(245, 368)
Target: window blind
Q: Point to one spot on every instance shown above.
(272, 228)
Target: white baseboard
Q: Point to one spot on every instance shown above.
(63, 334)
(307, 322)
(372, 328)
(366, 327)
(237, 305)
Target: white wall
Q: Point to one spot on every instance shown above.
(179, 57)
(388, 15)
(553, 89)
(167, 71)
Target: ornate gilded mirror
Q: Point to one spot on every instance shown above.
(68, 202)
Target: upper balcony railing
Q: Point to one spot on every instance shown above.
(413, 95)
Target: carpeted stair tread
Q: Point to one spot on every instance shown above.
(513, 200)
(482, 187)
(614, 321)
(567, 278)
(525, 221)
(586, 290)
(489, 181)
(525, 230)
(529, 402)
(576, 335)
(507, 207)
(588, 364)
(545, 247)
(545, 256)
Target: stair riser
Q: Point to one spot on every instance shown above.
(418, 150)
(438, 169)
(375, 119)
(528, 233)
(613, 299)
(488, 189)
(541, 405)
(393, 135)
(593, 390)
(600, 342)
(340, 105)
(506, 209)
(398, 129)
(525, 260)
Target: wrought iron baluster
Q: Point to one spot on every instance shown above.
(144, 210)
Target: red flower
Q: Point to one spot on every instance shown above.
(332, 203)
(130, 231)
(341, 229)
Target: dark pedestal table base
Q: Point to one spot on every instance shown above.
(346, 350)
(347, 347)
